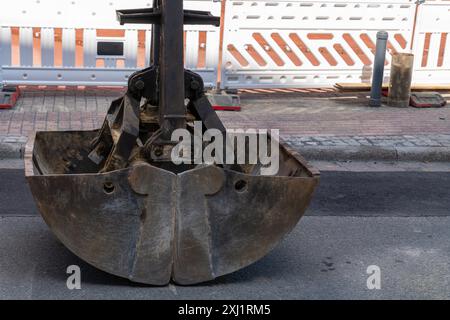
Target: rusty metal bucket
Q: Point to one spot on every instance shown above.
(154, 226)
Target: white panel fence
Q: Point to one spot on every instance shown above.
(267, 44)
(48, 42)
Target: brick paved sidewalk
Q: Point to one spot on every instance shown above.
(342, 115)
(304, 119)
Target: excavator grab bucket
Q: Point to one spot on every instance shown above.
(150, 225)
(115, 199)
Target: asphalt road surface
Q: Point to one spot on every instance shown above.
(397, 221)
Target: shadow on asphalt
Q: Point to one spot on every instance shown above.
(54, 257)
(366, 194)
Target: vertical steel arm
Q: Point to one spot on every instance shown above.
(172, 106)
(156, 38)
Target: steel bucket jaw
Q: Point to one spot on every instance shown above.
(153, 226)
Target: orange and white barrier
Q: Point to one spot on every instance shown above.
(265, 43)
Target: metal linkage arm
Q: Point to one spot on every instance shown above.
(200, 18)
(153, 16)
(139, 16)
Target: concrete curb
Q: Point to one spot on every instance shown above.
(376, 153)
(14, 148)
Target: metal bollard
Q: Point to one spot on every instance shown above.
(378, 69)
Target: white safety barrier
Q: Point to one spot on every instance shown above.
(267, 43)
(279, 44)
(80, 42)
(303, 43)
(432, 43)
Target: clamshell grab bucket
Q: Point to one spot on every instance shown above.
(152, 226)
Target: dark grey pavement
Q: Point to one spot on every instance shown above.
(398, 221)
(15, 196)
(341, 193)
(324, 258)
(377, 194)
